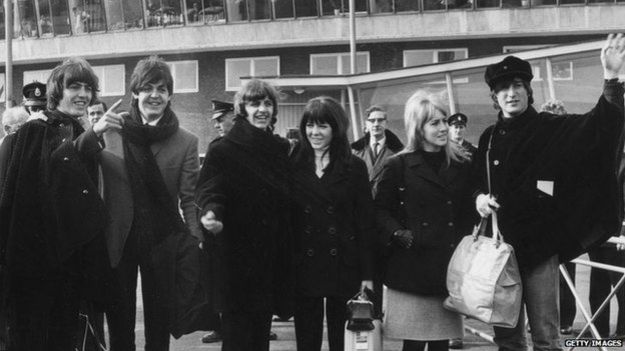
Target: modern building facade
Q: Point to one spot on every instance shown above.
(302, 45)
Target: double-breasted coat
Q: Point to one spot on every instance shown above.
(436, 207)
(334, 229)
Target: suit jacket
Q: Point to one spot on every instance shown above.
(436, 206)
(177, 159)
(375, 164)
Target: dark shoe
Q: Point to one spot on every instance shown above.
(455, 344)
(211, 336)
(567, 330)
(273, 336)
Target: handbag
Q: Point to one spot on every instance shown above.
(483, 278)
(362, 331)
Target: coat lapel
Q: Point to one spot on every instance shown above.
(445, 176)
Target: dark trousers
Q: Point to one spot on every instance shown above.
(43, 313)
(567, 300)
(243, 331)
(121, 316)
(601, 283)
(416, 345)
(309, 313)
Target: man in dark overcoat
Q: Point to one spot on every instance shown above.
(553, 183)
(243, 197)
(52, 218)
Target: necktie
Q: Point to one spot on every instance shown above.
(375, 149)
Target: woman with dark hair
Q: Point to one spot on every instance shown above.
(333, 222)
(423, 208)
(243, 196)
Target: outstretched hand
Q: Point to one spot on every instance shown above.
(110, 120)
(613, 56)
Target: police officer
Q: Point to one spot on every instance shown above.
(34, 97)
(457, 129)
(223, 116)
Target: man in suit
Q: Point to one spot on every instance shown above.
(149, 177)
(377, 145)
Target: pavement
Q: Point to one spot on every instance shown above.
(286, 332)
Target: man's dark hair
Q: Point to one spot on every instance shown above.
(72, 70)
(151, 70)
(98, 102)
(254, 90)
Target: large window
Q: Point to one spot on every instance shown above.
(111, 79)
(45, 18)
(250, 66)
(336, 7)
(185, 75)
(426, 57)
(60, 17)
(337, 63)
(283, 8)
(163, 13)
(204, 11)
(87, 16)
(237, 10)
(259, 9)
(28, 19)
(306, 8)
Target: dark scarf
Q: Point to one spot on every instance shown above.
(155, 213)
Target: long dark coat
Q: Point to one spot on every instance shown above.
(50, 209)
(436, 206)
(335, 230)
(244, 181)
(578, 155)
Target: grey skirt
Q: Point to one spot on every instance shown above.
(417, 317)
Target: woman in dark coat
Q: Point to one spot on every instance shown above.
(334, 225)
(243, 196)
(424, 207)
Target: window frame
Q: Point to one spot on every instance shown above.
(435, 53)
(252, 68)
(102, 80)
(196, 88)
(339, 61)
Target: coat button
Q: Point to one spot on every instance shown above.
(496, 162)
(85, 191)
(401, 203)
(425, 224)
(307, 209)
(333, 252)
(264, 222)
(449, 202)
(352, 238)
(331, 230)
(61, 125)
(330, 210)
(64, 140)
(308, 229)
(65, 159)
(502, 132)
(451, 224)
(310, 252)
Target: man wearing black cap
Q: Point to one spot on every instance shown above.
(457, 128)
(223, 116)
(552, 183)
(34, 97)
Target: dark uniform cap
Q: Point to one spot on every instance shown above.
(220, 108)
(34, 94)
(457, 118)
(509, 67)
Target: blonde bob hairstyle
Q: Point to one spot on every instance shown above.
(419, 110)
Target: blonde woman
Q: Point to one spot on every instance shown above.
(423, 209)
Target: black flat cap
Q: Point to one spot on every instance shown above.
(508, 68)
(457, 118)
(220, 108)
(34, 94)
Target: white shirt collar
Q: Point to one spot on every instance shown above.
(152, 123)
(380, 142)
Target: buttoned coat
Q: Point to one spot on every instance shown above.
(178, 162)
(244, 181)
(436, 207)
(335, 230)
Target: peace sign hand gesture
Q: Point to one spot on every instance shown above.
(110, 120)
(613, 56)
